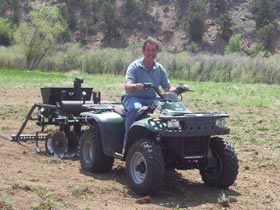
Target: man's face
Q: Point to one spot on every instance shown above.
(150, 52)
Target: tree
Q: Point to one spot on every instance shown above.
(225, 23)
(6, 32)
(134, 11)
(38, 37)
(264, 11)
(196, 21)
(110, 19)
(218, 7)
(266, 35)
(181, 8)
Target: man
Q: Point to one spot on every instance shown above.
(143, 70)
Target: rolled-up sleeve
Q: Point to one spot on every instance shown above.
(164, 83)
(130, 73)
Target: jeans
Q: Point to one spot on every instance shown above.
(132, 105)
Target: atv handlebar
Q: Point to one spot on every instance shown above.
(181, 88)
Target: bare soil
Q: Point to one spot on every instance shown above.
(36, 181)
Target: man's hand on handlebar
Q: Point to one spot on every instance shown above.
(139, 86)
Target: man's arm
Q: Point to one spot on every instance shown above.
(169, 89)
(131, 86)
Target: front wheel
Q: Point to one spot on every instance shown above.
(223, 167)
(145, 167)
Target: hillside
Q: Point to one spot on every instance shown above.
(120, 23)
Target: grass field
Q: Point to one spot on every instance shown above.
(254, 111)
(236, 99)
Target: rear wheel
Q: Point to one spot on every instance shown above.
(145, 167)
(92, 157)
(222, 169)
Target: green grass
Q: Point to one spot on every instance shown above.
(48, 199)
(192, 67)
(254, 108)
(6, 202)
(26, 78)
(211, 93)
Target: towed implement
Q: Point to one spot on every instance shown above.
(60, 109)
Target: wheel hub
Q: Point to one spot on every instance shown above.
(138, 168)
(141, 167)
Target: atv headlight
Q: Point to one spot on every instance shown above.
(173, 124)
(221, 122)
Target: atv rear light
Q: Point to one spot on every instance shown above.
(173, 124)
(220, 122)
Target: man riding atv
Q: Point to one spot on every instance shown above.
(165, 136)
(143, 70)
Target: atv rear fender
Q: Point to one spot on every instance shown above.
(111, 128)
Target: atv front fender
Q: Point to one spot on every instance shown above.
(111, 128)
(140, 129)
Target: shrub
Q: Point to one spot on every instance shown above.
(234, 44)
(6, 32)
(193, 48)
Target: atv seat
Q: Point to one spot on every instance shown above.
(122, 111)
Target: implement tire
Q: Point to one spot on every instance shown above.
(92, 157)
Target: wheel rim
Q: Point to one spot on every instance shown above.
(49, 145)
(87, 152)
(138, 168)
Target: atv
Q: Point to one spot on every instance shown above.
(164, 136)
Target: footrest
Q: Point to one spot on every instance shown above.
(118, 156)
(27, 137)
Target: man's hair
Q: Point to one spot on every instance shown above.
(151, 41)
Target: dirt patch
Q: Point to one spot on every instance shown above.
(32, 181)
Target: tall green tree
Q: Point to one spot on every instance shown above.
(264, 11)
(266, 34)
(6, 32)
(110, 19)
(225, 23)
(38, 37)
(196, 20)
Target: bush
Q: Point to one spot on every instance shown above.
(234, 45)
(6, 32)
(193, 48)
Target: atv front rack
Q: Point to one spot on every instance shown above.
(194, 124)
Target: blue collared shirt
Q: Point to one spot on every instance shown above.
(137, 73)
